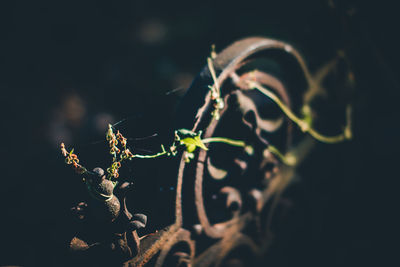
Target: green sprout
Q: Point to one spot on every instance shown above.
(190, 140)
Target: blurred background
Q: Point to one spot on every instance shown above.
(68, 68)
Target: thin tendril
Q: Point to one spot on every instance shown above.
(164, 152)
(150, 156)
(228, 141)
(304, 126)
(287, 159)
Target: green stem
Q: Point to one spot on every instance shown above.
(150, 156)
(304, 126)
(164, 152)
(224, 140)
(287, 159)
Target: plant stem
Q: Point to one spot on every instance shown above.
(304, 126)
(287, 159)
(224, 140)
(150, 156)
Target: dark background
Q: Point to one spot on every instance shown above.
(67, 68)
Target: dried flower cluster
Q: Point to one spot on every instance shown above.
(72, 159)
(124, 153)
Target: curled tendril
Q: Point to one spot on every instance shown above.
(305, 123)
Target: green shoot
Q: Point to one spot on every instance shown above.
(305, 124)
(228, 141)
(183, 138)
(287, 159)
